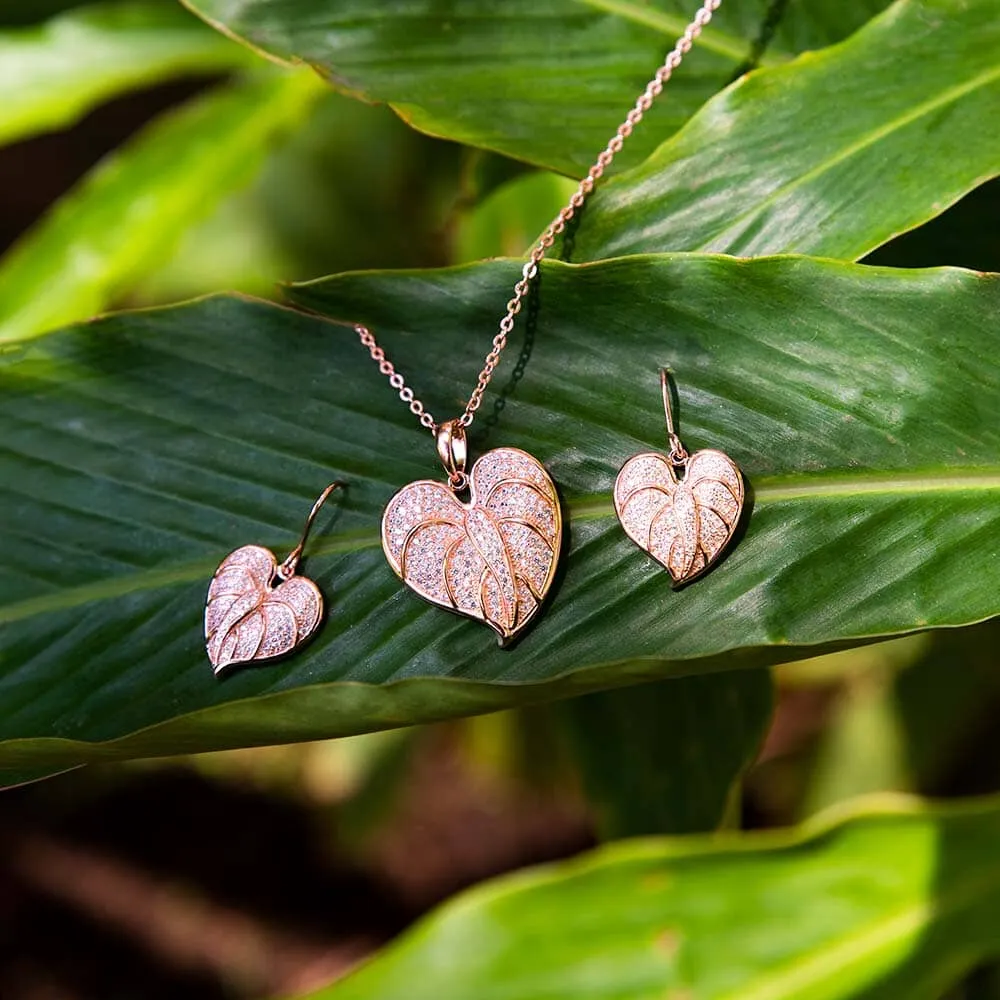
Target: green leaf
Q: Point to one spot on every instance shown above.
(863, 405)
(510, 217)
(895, 899)
(830, 155)
(128, 214)
(547, 81)
(963, 236)
(336, 195)
(664, 758)
(947, 703)
(52, 74)
(862, 749)
(235, 248)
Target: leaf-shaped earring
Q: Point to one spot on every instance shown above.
(258, 610)
(682, 509)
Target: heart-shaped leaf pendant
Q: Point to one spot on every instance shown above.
(493, 558)
(682, 522)
(248, 617)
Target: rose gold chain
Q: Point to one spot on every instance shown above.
(558, 225)
(385, 366)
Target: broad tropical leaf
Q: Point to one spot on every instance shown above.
(957, 237)
(52, 74)
(862, 404)
(128, 214)
(831, 155)
(509, 218)
(547, 81)
(892, 899)
(666, 757)
(861, 749)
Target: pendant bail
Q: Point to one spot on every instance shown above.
(451, 449)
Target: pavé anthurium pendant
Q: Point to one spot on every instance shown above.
(492, 557)
(682, 509)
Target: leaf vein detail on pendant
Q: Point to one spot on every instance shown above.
(493, 558)
(682, 509)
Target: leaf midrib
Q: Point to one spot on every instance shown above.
(712, 39)
(948, 96)
(860, 944)
(585, 508)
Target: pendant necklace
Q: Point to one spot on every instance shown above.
(493, 556)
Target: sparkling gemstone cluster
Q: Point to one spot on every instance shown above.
(248, 619)
(684, 523)
(492, 558)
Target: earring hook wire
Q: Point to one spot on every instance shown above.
(678, 453)
(287, 569)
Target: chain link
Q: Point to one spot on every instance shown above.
(530, 270)
(385, 366)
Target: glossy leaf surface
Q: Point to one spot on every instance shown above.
(128, 214)
(830, 155)
(957, 237)
(52, 74)
(546, 81)
(898, 900)
(862, 404)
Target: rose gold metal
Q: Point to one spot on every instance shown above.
(452, 451)
(678, 453)
(259, 610)
(548, 238)
(682, 509)
(288, 567)
(396, 380)
(492, 559)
